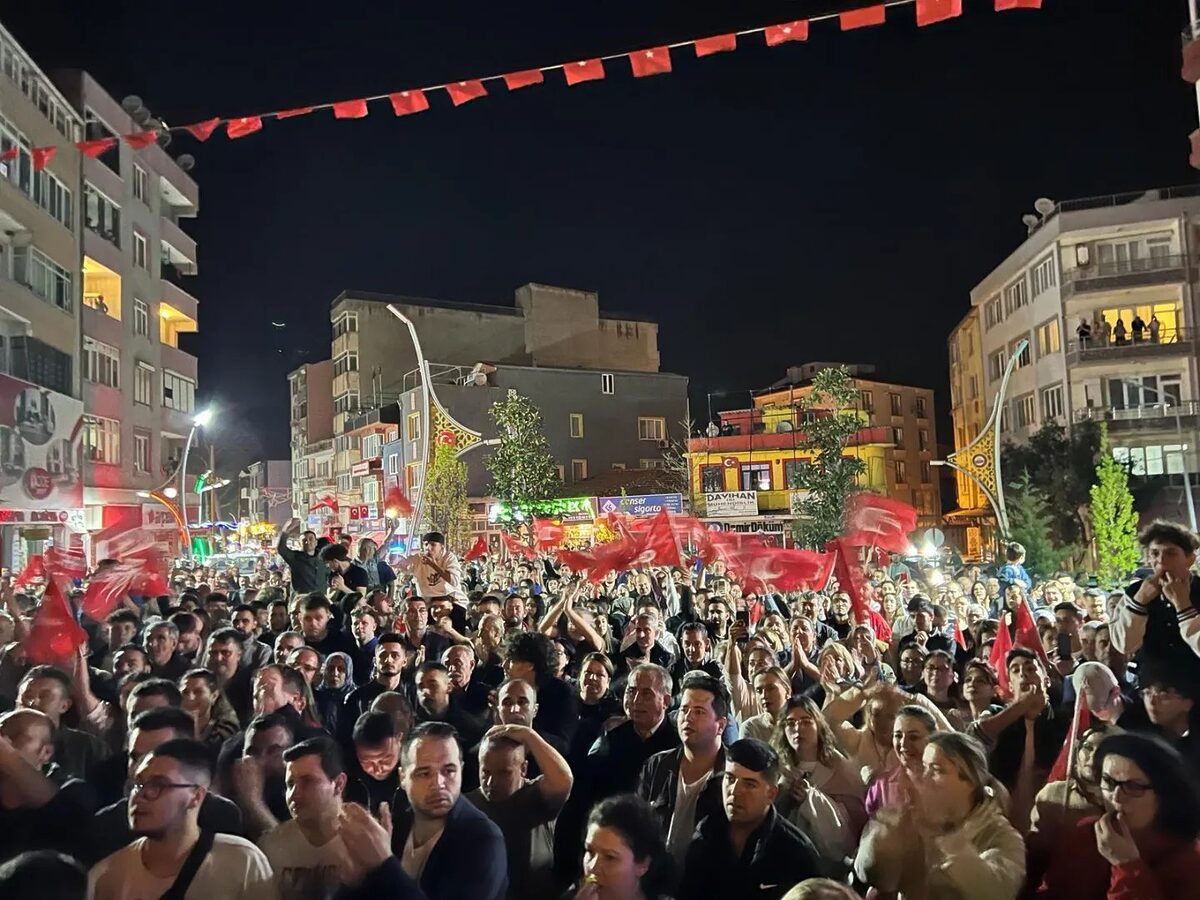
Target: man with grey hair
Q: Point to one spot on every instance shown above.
(162, 646)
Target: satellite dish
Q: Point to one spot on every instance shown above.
(1044, 206)
(142, 116)
(186, 162)
(783, 427)
(132, 104)
(712, 430)
(1031, 221)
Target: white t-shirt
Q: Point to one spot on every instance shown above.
(430, 584)
(683, 818)
(413, 858)
(302, 871)
(233, 870)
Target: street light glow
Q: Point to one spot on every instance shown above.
(203, 417)
(170, 492)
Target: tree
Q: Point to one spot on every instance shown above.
(522, 469)
(1063, 468)
(827, 429)
(1114, 523)
(446, 497)
(1029, 525)
(677, 466)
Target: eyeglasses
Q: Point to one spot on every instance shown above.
(152, 790)
(1132, 788)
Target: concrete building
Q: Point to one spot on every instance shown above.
(40, 256)
(310, 389)
(1126, 265)
(973, 520)
(139, 385)
(554, 345)
(265, 493)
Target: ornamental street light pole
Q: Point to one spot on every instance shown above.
(200, 420)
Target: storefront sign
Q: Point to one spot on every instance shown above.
(41, 448)
(641, 505)
(156, 518)
(360, 468)
(566, 509)
(37, 516)
(728, 504)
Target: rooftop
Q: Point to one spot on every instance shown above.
(461, 306)
(611, 482)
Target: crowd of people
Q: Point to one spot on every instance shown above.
(343, 726)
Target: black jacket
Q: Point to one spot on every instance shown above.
(777, 856)
(1163, 647)
(658, 785)
(558, 711)
(469, 861)
(308, 572)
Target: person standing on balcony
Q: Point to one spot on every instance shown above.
(1084, 332)
(1138, 327)
(1104, 332)
(1155, 326)
(1120, 333)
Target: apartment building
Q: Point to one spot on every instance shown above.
(41, 488)
(310, 391)
(139, 383)
(1104, 291)
(972, 521)
(265, 494)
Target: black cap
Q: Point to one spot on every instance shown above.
(434, 537)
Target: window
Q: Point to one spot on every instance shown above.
(1169, 316)
(44, 277)
(1026, 411)
(1042, 277)
(1052, 402)
(576, 425)
(712, 479)
(973, 387)
(372, 446)
(143, 383)
(102, 439)
(141, 318)
(412, 427)
(1015, 296)
(393, 464)
(652, 428)
(179, 391)
(1048, 339)
(921, 414)
(992, 313)
(925, 473)
(794, 471)
(43, 188)
(53, 196)
(620, 466)
(922, 439)
(141, 451)
(894, 399)
(139, 251)
(756, 476)
(901, 471)
(578, 469)
(103, 216)
(370, 490)
(1149, 390)
(1024, 358)
(347, 362)
(650, 464)
(346, 403)
(898, 437)
(868, 400)
(346, 323)
(606, 383)
(141, 184)
(1161, 459)
(101, 363)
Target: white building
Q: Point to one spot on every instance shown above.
(1113, 262)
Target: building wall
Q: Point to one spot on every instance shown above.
(968, 410)
(563, 327)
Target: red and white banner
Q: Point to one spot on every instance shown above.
(41, 448)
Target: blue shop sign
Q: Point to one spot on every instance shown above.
(641, 505)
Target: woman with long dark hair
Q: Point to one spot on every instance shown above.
(624, 856)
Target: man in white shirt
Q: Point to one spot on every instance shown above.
(437, 572)
(169, 786)
(306, 851)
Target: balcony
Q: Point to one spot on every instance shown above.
(180, 300)
(179, 248)
(177, 361)
(732, 443)
(1120, 274)
(32, 360)
(1156, 417)
(1171, 342)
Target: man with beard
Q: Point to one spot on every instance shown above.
(308, 572)
(436, 703)
(418, 634)
(390, 675)
(257, 778)
(171, 853)
(470, 694)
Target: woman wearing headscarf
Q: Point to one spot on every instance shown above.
(337, 681)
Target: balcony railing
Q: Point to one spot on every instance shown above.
(33, 360)
(1167, 342)
(1156, 415)
(1120, 273)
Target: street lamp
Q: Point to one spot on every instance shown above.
(1187, 481)
(199, 420)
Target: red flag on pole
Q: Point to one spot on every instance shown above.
(140, 140)
(514, 81)
(42, 156)
(516, 547)
(465, 91)
(1002, 5)
(1083, 721)
(548, 533)
(202, 131)
(660, 541)
(55, 636)
(35, 570)
(873, 520)
(239, 128)
(350, 109)
(958, 633)
(13, 152)
(721, 43)
(584, 70)
(1027, 634)
(656, 61)
(406, 103)
(999, 656)
(478, 549)
(94, 148)
(932, 11)
(789, 31)
(863, 18)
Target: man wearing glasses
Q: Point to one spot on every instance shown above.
(171, 853)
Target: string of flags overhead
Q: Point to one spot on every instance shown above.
(644, 62)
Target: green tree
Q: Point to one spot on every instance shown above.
(522, 469)
(1114, 523)
(1063, 468)
(1029, 524)
(446, 497)
(828, 426)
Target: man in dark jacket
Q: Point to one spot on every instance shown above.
(308, 572)
(747, 850)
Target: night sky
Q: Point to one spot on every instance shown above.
(830, 200)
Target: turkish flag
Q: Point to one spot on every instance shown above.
(293, 112)
(763, 569)
(406, 103)
(863, 18)
(465, 91)
(721, 43)
(514, 81)
(575, 560)
(239, 128)
(789, 31)
(55, 636)
(396, 503)
(696, 535)
(584, 70)
(35, 570)
(1026, 634)
(1083, 721)
(478, 549)
(1002, 5)
(140, 140)
(958, 634)
(548, 533)
(13, 152)
(656, 61)
(65, 563)
(516, 547)
(202, 131)
(932, 11)
(849, 576)
(151, 578)
(659, 542)
(999, 656)
(94, 148)
(876, 521)
(42, 156)
(350, 109)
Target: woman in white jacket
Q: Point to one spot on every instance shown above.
(819, 791)
(952, 841)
